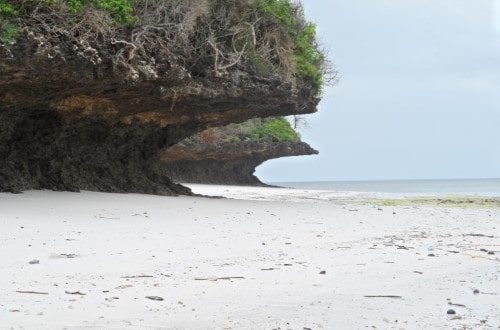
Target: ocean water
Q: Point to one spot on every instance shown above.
(470, 187)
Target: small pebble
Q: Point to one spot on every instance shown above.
(451, 312)
(34, 262)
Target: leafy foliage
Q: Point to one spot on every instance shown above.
(8, 31)
(277, 130)
(280, 9)
(308, 58)
(121, 10)
(207, 37)
(6, 9)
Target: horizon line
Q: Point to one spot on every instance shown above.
(384, 180)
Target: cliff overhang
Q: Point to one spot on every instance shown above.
(226, 163)
(70, 123)
(86, 104)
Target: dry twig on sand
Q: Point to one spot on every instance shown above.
(32, 292)
(78, 293)
(137, 276)
(479, 235)
(220, 278)
(381, 296)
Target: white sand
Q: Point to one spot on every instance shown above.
(364, 251)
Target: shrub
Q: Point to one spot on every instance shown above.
(121, 10)
(277, 130)
(253, 130)
(6, 9)
(207, 37)
(8, 31)
(234, 139)
(308, 59)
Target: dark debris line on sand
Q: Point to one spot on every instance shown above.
(220, 278)
(137, 276)
(33, 292)
(75, 293)
(155, 298)
(382, 296)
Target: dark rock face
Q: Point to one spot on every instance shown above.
(72, 120)
(229, 163)
(39, 150)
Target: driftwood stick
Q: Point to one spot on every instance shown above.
(479, 235)
(32, 292)
(381, 296)
(458, 305)
(138, 276)
(75, 293)
(219, 278)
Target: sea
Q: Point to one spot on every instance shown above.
(468, 187)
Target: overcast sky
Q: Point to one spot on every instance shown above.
(419, 96)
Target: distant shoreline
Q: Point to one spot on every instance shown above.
(284, 194)
(438, 187)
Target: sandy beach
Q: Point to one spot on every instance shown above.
(263, 258)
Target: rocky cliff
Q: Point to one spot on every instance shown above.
(96, 107)
(219, 156)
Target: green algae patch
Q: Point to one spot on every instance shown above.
(444, 201)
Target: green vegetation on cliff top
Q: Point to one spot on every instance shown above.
(121, 10)
(271, 35)
(307, 57)
(276, 129)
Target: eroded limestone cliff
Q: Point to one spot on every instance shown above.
(229, 155)
(98, 113)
